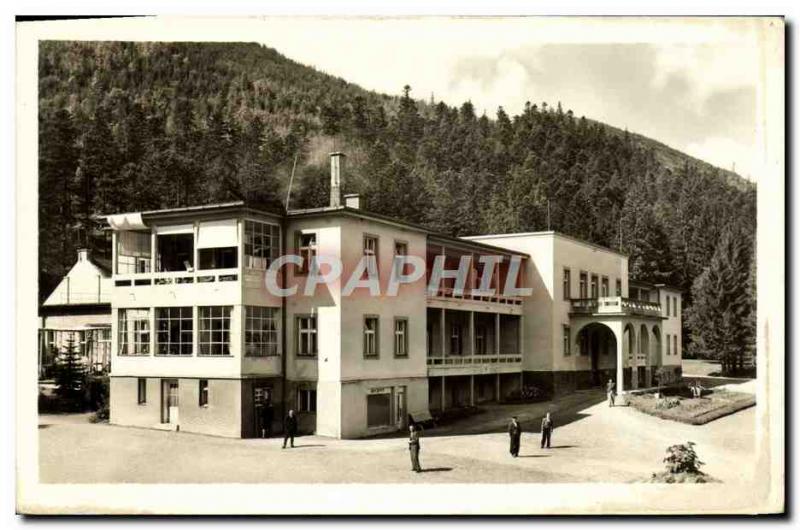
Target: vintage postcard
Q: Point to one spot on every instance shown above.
(429, 265)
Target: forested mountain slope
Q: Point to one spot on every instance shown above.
(131, 126)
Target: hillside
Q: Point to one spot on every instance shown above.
(128, 126)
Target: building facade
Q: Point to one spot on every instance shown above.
(78, 311)
(201, 344)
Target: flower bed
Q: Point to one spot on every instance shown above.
(694, 411)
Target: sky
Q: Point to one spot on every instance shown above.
(691, 85)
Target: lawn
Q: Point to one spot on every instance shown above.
(694, 411)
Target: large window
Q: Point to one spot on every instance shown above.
(174, 330)
(134, 331)
(567, 284)
(306, 400)
(371, 253)
(175, 252)
(261, 331)
(675, 306)
(583, 285)
(371, 329)
(306, 335)
(604, 286)
(215, 330)
(218, 258)
(401, 337)
(668, 343)
(674, 345)
(595, 291)
(379, 409)
(400, 249)
(618, 287)
(307, 249)
(455, 339)
(668, 305)
(480, 340)
(133, 252)
(566, 341)
(262, 244)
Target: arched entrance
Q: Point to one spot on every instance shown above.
(597, 341)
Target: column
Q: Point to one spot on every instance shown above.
(620, 361)
(442, 334)
(521, 334)
(472, 333)
(443, 392)
(472, 390)
(497, 333)
(497, 387)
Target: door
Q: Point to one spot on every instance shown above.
(169, 401)
(400, 413)
(261, 396)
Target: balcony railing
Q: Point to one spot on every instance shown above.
(469, 294)
(463, 360)
(615, 304)
(173, 278)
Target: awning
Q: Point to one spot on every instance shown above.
(126, 221)
(215, 234)
(175, 229)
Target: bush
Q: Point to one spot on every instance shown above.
(528, 394)
(101, 415)
(682, 458)
(667, 403)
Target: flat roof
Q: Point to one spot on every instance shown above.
(552, 233)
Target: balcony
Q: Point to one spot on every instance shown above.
(474, 364)
(614, 305)
(175, 278)
(447, 293)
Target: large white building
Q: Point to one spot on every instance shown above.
(200, 344)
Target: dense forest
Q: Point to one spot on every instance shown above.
(132, 126)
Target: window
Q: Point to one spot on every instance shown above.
(371, 253)
(583, 343)
(219, 258)
(174, 331)
(307, 250)
(401, 249)
(262, 244)
(141, 390)
(379, 409)
(133, 252)
(668, 311)
(583, 286)
(594, 292)
(175, 252)
(455, 339)
(261, 331)
(668, 344)
(306, 400)
(618, 286)
(674, 345)
(566, 341)
(203, 393)
(134, 331)
(401, 337)
(371, 330)
(306, 335)
(567, 284)
(675, 306)
(215, 327)
(604, 286)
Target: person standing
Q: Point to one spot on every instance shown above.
(267, 416)
(514, 434)
(547, 430)
(291, 428)
(413, 447)
(610, 390)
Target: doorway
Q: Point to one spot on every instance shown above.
(400, 414)
(262, 397)
(169, 401)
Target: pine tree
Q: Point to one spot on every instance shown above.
(720, 317)
(70, 375)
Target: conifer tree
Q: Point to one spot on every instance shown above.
(70, 375)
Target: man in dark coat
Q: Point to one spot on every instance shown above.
(290, 426)
(514, 433)
(413, 447)
(547, 430)
(267, 416)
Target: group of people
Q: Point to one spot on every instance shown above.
(514, 433)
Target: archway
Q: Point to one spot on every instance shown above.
(598, 341)
(655, 351)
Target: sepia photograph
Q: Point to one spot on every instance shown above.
(469, 265)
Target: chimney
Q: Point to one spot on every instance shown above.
(337, 161)
(83, 254)
(352, 200)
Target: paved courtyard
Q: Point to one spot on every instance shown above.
(592, 442)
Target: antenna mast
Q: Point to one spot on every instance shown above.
(291, 180)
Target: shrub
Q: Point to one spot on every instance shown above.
(668, 403)
(101, 415)
(682, 458)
